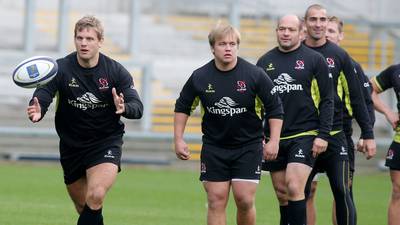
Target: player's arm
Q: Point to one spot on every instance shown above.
(367, 92)
(323, 94)
(41, 100)
(273, 114)
(271, 147)
(357, 101)
(181, 148)
(380, 84)
(358, 107)
(366, 89)
(126, 98)
(184, 106)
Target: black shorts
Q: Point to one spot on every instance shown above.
(292, 150)
(336, 151)
(393, 156)
(221, 164)
(76, 161)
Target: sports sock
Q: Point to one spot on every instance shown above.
(284, 211)
(90, 216)
(297, 212)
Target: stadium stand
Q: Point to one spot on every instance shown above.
(258, 36)
(175, 43)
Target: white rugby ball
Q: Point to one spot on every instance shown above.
(35, 71)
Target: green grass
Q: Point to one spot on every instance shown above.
(36, 195)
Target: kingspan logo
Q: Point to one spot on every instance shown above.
(87, 101)
(283, 84)
(226, 106)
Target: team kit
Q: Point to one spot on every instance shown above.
(290, 114)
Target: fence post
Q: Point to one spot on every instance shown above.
(146, 96)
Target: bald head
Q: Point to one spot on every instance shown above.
(288, 32)
(290, 19)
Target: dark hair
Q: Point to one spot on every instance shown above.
(313, 6)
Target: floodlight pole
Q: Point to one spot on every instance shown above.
(134, 27)
(234, 14)
(62, 27)
(146, 96)
(29, 26)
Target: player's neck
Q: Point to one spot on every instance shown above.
(289, 49)
(225, 66)
(311, 42)
(88, 63)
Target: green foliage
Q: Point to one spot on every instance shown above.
(36, 195)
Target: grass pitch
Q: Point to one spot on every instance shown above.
(36, 195)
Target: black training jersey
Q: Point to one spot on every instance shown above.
(231, 103)
(347, 91)
(390, 78)
(366, 90)
(301, 79)
(85, 113)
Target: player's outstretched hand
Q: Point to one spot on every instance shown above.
(181, 150)
(319, 146)
(270, 150)
(118, 101)
(34, 111)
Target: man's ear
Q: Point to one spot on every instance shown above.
(341, 36)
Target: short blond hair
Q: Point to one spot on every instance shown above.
(90, 22)
(222, 30)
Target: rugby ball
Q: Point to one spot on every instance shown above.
(35, 71)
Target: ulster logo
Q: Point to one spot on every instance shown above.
(203, 168)
(331, 62)
(241, 86)
(103, 83)
(390, 154)
(299, 65)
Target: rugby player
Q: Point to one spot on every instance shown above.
(93, 92)
(232, 93)
(389, 78)
(301, 78)
(347, 93)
